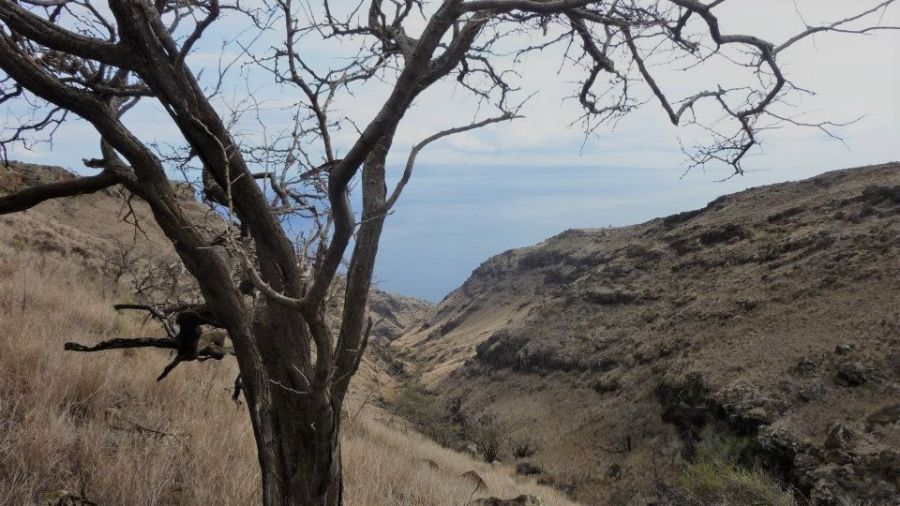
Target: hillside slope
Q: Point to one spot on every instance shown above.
(101, 226)
(98, 426)
(771, 313)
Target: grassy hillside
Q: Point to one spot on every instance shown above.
(98, 425)
(770, 315)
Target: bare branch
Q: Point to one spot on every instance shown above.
(414, 152)
(30, 197)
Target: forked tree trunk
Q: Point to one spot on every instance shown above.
(297, 428)
(301, 467)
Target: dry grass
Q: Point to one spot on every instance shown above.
(100, 426)
(387, 465)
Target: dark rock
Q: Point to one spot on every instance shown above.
(887, 415)
(749, 408)
(540, 258)
(724, 233)
(747, 305)
(644, 358)
(812, 392)
(397, 368)
(606, 386)
(784, 215)
(605, 365)
(853, 374)
(448, 327)
(562, 276)
(609, 296)
(528, 469)
(676, 219)
(501, 349)
(843, 349)
(839, 437)
(882, 194)
(641, 252)
(806, 366)
(507, 350)
(868, 479)
(686, 404)
(614, 472)
(522, 500)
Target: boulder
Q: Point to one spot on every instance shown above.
(839, 437)
(854, 374)
(812, 392)
(806, 366)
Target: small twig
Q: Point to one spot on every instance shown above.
(154, 311)
(238, 385)
(172, 365)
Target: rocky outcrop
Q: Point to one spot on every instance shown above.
(852, 461)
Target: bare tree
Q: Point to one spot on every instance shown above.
(76, 58)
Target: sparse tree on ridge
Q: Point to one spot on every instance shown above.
(65, 59)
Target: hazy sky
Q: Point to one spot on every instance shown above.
(510, 185)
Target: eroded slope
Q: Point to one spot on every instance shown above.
(772, 312)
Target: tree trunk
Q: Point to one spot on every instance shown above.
(293, 474)
(299, 459)
(297, 428)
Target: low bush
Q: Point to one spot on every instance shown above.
(723, 473)
(523, 448)
(427, 413)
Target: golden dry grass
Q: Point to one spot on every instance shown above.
(99, 424)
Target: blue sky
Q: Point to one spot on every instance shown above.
(479, 193)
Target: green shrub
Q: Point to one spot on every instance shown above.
(489, 435)
(723, 473)
(426, 412)
(718, 446)
(709, 483)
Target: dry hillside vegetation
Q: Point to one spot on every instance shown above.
(98, 426)
(770, 315)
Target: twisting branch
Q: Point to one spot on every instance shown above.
(414, 152)
(838, 26)
(125, 343)
(154, 312)
(185, 341)
(30, 197)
